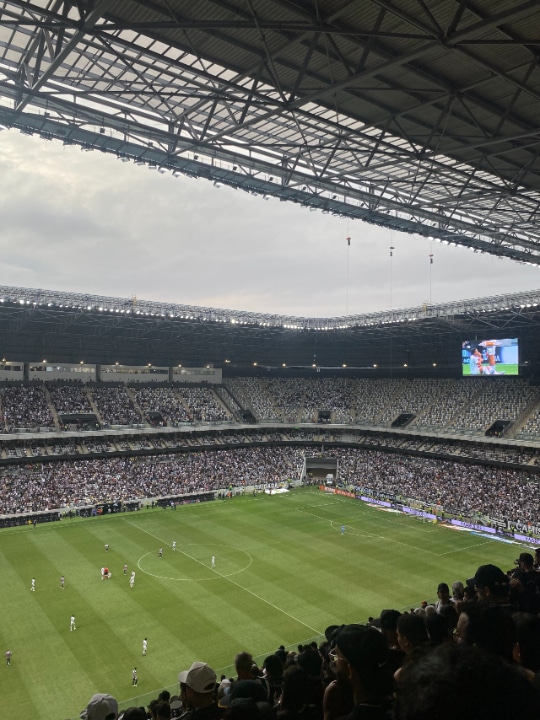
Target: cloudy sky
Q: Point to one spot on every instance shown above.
(86, 222)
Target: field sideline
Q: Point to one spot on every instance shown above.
(284, 572)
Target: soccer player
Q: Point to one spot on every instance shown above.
(145, 646)
(72, 625)
(107, 547)
(33, 585)
(213, 561)
(160, 553)
(125, 568)
(132, 579)
(62, 582)
(174, 545)
(343, 529)
(134, 677)
(8, 657)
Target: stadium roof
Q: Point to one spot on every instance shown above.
(38, 325)
(417, 115)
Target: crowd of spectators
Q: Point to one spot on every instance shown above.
(474, 653)
(251, 394)
(69, 397)
(203, 404)
(25, 406)
(467, 405)
(469, 490)
(115, 405)
(459, 488)
(164, 402)
(86, 482)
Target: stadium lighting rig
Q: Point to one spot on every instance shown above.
(36, 298)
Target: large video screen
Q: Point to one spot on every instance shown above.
(482, 358)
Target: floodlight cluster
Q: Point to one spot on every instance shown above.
(30, 298)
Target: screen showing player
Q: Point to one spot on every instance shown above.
(482, 358)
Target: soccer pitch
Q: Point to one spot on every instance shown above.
(284, 572)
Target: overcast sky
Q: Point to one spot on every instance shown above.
(85, 222)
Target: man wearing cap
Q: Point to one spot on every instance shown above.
(492, 585)
(363, 654)
(443, 595)
(100, 707)
(200, 681)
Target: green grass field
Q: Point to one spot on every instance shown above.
(283, 574)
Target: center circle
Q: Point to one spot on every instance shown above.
(193, 562)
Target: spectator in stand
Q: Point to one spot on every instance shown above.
(457, 591)
(100, 707)
(200, 681)
(338, 695)
(273, 677)
(411, 632)
(362, 652)
(294, 703)
(133, 713)
(162, 710)
(388, 624)
(488, 626)
(455, 681)
(492, 585)
(525, 585)
(310, 661)
(438, 628)
(443, 594)
(247, 701)
(244, 666)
